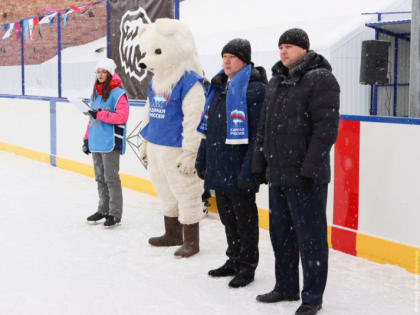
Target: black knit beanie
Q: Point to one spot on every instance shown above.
(240, 48)
(295, 36)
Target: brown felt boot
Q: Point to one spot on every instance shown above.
(172, 236)
(191, 241)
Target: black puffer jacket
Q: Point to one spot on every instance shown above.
(298, 123)
(225, 163)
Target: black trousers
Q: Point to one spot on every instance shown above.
(298, 225)
(239, 215)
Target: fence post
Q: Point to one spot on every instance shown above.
(107, 28)
(53, 132)
(177, 9)
(59, 52)
(22, 56)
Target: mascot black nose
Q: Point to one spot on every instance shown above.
(142, 65)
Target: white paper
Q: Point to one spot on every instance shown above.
(79, 104)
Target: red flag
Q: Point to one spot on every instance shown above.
(36, 20)
(17, 29)
(74, 8)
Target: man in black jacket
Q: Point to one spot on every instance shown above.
(229, 122)
(297, 128)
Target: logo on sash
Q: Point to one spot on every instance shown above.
(158, 106)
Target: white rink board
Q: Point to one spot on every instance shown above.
(25, 123)
(389, 195)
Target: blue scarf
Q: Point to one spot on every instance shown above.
(236, 108)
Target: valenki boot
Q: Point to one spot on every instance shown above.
(172, 236)
(191, 241)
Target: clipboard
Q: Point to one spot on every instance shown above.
(80, 104)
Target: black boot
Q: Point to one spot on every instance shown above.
(306, 309)
(94, 218)
(111, 221)
(242, 279)
(275, 296)
(228, 269)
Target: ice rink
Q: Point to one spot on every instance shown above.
(52, 262)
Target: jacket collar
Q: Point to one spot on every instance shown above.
(257, 74)
(311, 61)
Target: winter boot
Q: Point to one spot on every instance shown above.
(306, 309)
(94, 218)
(242, 279)
(191, 241)
(275, 296)
(111, 221)
(228, 269)
(172, 236)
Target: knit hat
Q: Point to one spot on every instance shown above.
(295, 36)
(240, 48)
(107, 64)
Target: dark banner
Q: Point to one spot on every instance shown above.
(125, 18)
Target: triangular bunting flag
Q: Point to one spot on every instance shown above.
(17, 29)
(26, 28)
(47, 19)
(8, 30)
(65, 16)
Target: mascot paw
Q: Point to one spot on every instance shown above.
(186, 163)
(143, 153)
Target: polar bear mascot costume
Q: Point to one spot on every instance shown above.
(173, 110)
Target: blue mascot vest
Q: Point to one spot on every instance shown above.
(165, 116)
(102, 136)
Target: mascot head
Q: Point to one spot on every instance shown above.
(168, 50)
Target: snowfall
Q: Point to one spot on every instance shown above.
(53, 262)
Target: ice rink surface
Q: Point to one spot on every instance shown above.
(52, 262)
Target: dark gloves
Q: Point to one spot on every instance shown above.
(245, 184)
(260, 178)
(94, 112)
(308, 183)
(259, 166)
(85, 147)
(201, 173)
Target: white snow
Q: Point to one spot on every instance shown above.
(52, 262)
(215, 22)
(82, 53)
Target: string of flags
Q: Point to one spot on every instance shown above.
(28, 26)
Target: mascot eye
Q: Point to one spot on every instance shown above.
(158, 51)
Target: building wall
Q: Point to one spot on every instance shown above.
(82, 27)
(12, 10)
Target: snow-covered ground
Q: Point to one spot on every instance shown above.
(52, 262)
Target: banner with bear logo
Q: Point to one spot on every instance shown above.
(125, 19)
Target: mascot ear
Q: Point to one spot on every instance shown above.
(166, 27)
(142, 29)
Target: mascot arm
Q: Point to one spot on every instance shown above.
(192, 106)
(143, 146)
(145, 119)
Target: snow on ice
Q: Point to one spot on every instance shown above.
(54, 263)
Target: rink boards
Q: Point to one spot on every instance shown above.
(374, 199)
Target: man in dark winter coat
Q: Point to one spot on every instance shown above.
(229, 123)
(297, 128)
